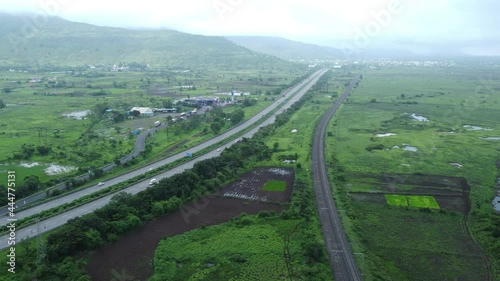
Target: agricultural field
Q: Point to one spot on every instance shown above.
(415, 245)
(408, 190)
(278, 186)
(413, 155)
(57, 124)
(416, 201)
(264, 184)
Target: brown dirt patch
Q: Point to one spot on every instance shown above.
(131, 257)
(163, 91)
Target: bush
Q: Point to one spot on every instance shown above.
(375, 147)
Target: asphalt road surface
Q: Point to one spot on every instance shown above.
(341, 257)
(59, 220)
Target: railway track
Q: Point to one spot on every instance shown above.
(341, 257)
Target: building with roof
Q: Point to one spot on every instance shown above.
(144, 111)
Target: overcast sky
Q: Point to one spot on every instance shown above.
(467, 25)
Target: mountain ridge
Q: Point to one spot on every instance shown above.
(62, 42)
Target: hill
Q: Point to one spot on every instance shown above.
(60, 42)
(286, 49)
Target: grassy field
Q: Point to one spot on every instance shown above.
(413, 121)
(415, 245)
(396, 200)
(225, 252)
(412, 201)
(278, 186)
(422, 202)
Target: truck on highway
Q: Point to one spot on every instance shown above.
(157, 123)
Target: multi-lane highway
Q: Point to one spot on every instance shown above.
(341, 257)
(51, 223)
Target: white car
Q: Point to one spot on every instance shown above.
(100, 183)
(218, 149)
(152, 182)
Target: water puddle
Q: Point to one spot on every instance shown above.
(419, 118)
(410, 148)
(496, 203)
(385, 135)
(476, 128)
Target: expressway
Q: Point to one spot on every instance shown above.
(59, 220)
(342, 260)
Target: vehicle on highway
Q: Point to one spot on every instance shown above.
(153, 182)
(157, 123)
(218, 149)
(100, 183)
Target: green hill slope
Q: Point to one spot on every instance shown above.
(61, 42)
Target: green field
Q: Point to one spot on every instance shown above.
(278, 186)
(415, 245)
(253, 252)
(396, 200)
(445, 99)
(412, 201)
(422, 202)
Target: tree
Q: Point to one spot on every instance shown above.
(100, 109)
(27, 150)
(237, 116)
(276, 145)
(7, 90)
(30, 185)
(43, 149)
(167, 103)
(118, 117)
(135, 113)
(216, 126)
(314, 252)
(249, 102)
(2, 105)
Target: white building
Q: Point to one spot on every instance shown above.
(145, 111)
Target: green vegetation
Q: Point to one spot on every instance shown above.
(230, 251)
(448, 97)
(43, 78)
(308, 257)
(422, 202)
(126, 212)
(412, 201)
(396, 200)
(278, 186)
(55, 44)
(37, 136)
(414, 245)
